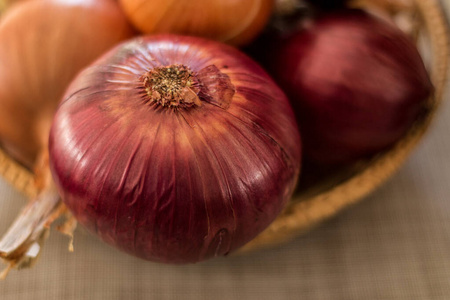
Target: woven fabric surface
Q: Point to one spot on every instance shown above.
(393, 245)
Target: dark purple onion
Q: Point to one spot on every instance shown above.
(357, 85)
(175, 177)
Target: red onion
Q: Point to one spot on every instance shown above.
(175, 149)
(356, 82)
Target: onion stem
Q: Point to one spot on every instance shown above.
(22, 243)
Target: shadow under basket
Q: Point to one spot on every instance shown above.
(329, 196)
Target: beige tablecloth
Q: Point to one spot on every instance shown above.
(393, 245)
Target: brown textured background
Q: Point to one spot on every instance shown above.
(393, 245)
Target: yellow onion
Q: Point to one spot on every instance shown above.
(43, 44)
(233, 22)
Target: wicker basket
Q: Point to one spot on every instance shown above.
(330, 196)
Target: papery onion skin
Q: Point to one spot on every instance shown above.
(175, 184)
(43, 45)
(357, 85)
(233, 22)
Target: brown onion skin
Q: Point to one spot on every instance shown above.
(357, 85)
(232, 22)
(43, 45)
(167, 184)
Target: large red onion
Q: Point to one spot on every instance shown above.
(357, 84)
(175, 149)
